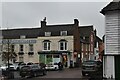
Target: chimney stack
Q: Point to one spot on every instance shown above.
(76, 22)
(43, 23)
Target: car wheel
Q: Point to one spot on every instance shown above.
(55, 68)
(44, 72)
(35, 74)
(17, 68)
(22, 76)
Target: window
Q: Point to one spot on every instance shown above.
(1, 48)
(31, 47)
(63, 33)
(91, 47)
(55, 56)
(86, 47)
(20, 58)
(47, 33)
(46, 45)
(63, 45)
(12, 48)
(82, 46)
(49, 59)
(22, 37)
(21, 48)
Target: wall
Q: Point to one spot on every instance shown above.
(112, 33)
(54, 42)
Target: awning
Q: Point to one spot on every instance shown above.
(20, 53)
(54, 52)
(30, 53)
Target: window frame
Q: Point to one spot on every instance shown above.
(21, 47)
(65, 46)
(63, 33)
(47, 46)
(47, 33)
(31, 47)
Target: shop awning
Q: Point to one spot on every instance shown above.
(20, 53)
(30, 53)
(54, 52)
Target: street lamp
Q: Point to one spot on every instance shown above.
(8, 53)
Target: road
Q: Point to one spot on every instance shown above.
(74, 74)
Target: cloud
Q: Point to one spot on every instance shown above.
(29, 14)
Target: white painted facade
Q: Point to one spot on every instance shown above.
(112, 33)
(109, 67)
(112, 44)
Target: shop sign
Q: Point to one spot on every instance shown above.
(18, 41)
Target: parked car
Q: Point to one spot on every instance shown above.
(91, 67)
(32, 71)
(5, 66)
(52, 66)
(21, 65)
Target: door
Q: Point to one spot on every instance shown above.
(117, 67)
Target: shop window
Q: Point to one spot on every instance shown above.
(55, 56)
(48, 59)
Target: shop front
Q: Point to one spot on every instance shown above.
(55, 57)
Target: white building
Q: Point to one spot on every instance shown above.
(111, 65)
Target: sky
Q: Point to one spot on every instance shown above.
(28, 14)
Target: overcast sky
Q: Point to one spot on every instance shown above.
(29, 14)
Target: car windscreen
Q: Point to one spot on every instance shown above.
(25, 68)
(89, 63)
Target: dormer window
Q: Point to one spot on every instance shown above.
(22, 37)
(47, 33)
(63, 33)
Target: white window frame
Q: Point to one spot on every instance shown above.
(22, 37)
(63, 33)
(65, 45)
(21, 58)
(47, 47)
(21, 49)
(47, 33)
(31, 47)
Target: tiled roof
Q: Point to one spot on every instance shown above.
(111, 7)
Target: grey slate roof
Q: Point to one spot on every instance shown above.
(111, 6)
(85, 30)
(16, 33)
(39, 32)
(55, 29)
